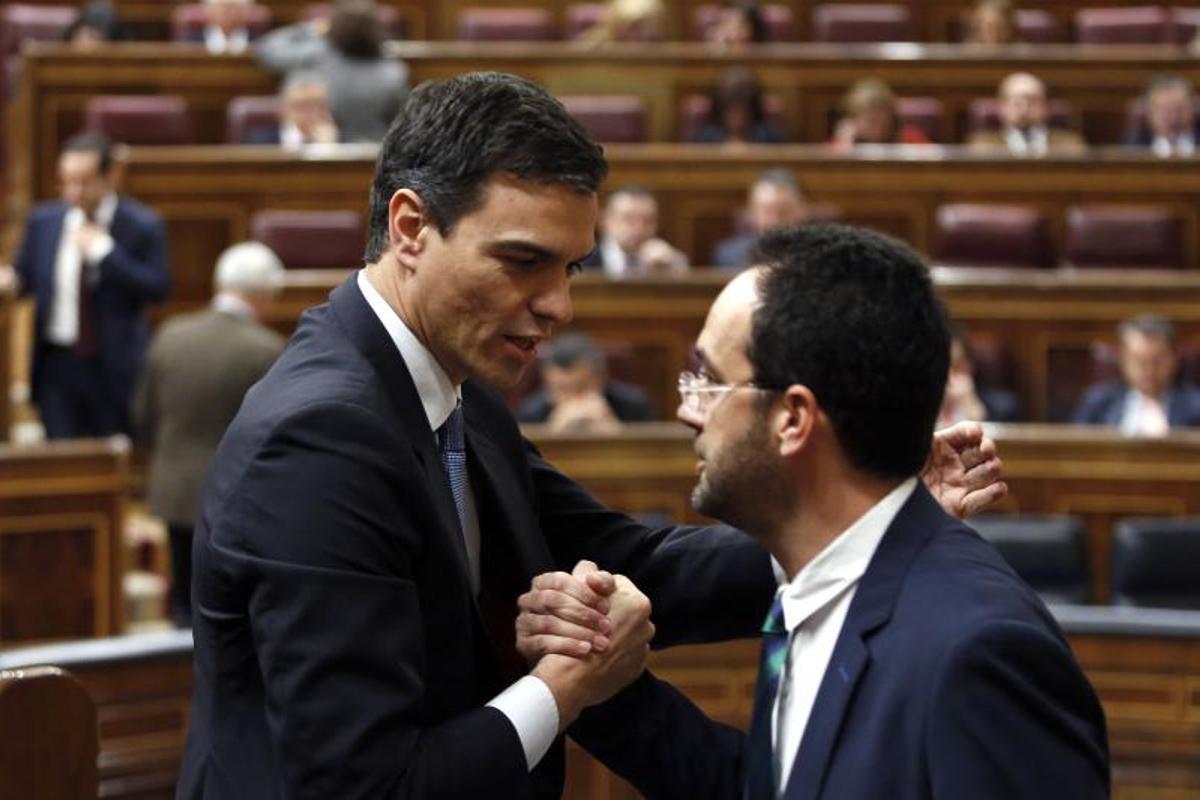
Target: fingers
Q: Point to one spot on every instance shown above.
(975, 501)
(569, 586)
(599, 581)
(961, 435)
(551, 631)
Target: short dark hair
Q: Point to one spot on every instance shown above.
(92, 142)
(1150, 326)
(630, 190)
(355, 31)
(853, 315)
(451, 136)
(782, 178)
(1168, 80)
(750, 11)
(572, 349)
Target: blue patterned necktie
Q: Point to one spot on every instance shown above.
(760, 749)
(452, 447)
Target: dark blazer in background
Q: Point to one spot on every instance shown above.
(340, 650)
(734, 252)
(949, 679)
(1104, 404)
(135, 274)
(628, 403)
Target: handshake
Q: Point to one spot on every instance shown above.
(586, 635)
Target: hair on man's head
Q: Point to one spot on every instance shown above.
(92, 142)
(451, 136)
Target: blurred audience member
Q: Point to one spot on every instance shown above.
(1148, 400)
(966, 400)
(774, 200)
(304, 115)
(869, 116)
(629, 243)
(228, 29)
(738, 112)
(93, 261)
(96, 23)
(1024, 117)
(364, 88)
(991, 23)
(198, 369)
(576, 393)
(1170, 116)
(628, 21)
(739, 23)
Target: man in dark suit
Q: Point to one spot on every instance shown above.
(372, 514)
(577, 393)
(902, 658)
(197, 371)
(774, 200)
(1026, 129)
(1170, 127)
(304, 115)
(1150, 398)
(93, 261)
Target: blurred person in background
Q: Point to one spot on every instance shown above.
(304, 115)
(869, 116)
(629, 242)
(198, 369)
(738, 112)
(738, 23)
(991, 23)
(1150, 398)
(775, 200)
(365, 89)
(97, 23)
(628, 21)
(1025, 122)
(964, 399)
(227, 29)
(577, 394)
(1171, 128)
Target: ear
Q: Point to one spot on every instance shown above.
(795, 420)
(408, 223)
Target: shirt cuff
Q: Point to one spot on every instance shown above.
(530, 707)
(100, 248)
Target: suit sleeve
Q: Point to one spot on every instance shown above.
(325, 531)
(1092, 406)
(24, 265)
(139, 267)
(143, 412)
(1013, 716)
(706, 584)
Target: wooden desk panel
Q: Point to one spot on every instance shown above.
(62, 512)
(56, 82)
(7, 321)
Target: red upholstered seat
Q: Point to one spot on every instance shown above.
(389, 18)
(861, 22)
(312, 239)
(983, 114)
(986, 235)
(506, 24)
(1124, 236)
(249, 113)
(923, 113)
(779, 20)
(1038, 26)
(610, 118)
(139, 119)
(694, 110)
(20, 21)
(1123, 25)
(188, 21)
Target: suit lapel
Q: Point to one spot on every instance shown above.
(869, 611)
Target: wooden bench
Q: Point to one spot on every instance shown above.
(47, 735)
(62, 508)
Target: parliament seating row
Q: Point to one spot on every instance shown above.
(1143, 664)
(57, 82)
(48, 741)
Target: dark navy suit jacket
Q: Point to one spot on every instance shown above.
(1104, 404)
(734, 252)
(135, 274)
(340, 650)
(950, 679)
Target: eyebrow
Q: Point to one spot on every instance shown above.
(705, 365)
(523, 247)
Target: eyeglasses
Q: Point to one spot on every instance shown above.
(698, 395)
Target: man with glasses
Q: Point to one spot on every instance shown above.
(902, 659)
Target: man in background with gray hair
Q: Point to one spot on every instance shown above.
(197, 371)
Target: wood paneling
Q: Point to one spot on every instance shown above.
(62, 508)
(7, 354)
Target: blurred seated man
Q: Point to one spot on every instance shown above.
(1148, 400)
(227, 30)
(629, 242)
(1170, 117)
(869, 116)
(577, 394)
(775, 200)
(991, 23)
(739, 23)
(628, 21)
(964, 399)
(304, 115)
(1025, 129)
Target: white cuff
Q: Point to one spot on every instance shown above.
(530, 707)
(100, 248)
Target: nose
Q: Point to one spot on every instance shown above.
(689, 417)
(554, 301)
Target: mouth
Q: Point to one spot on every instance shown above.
(528, 344)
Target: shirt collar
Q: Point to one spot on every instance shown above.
(229, 303)
(843, 561)
(438, 395)
(106, 209)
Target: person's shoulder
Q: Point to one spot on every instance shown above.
(630, 403)
(49, 210)
(140, 213)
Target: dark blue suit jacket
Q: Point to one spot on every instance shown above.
(135, 274)
(734, 252)
(340, 650)
(1104, 404)
(950, 679)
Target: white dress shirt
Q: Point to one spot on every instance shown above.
(815, 603)
(1145, 416)
(217, 42)
(616, 262)
(528, 703)
(1033, 141)
(62, 323)
(1182, 145)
